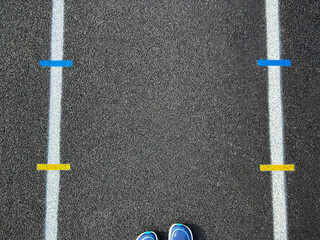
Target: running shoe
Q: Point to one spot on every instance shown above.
(147, 236)
(179, 231)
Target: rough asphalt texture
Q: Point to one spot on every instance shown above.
(164, 119)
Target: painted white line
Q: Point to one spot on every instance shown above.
(53, 177)
(276, 121)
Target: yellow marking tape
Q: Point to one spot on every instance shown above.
(288, 167)
(49, 167)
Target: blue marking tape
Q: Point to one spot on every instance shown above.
(285, 63)
(55, 63)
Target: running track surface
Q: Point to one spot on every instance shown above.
(164, 119)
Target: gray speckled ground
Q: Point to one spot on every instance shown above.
(164, 119)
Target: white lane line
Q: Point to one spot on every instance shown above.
(53, 177)
(276, 121)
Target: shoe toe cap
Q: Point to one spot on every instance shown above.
(180, 232)
(147, 236)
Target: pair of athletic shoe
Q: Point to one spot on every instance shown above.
(177, 231)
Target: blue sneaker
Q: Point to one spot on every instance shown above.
(147, 236)
(179, 231)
